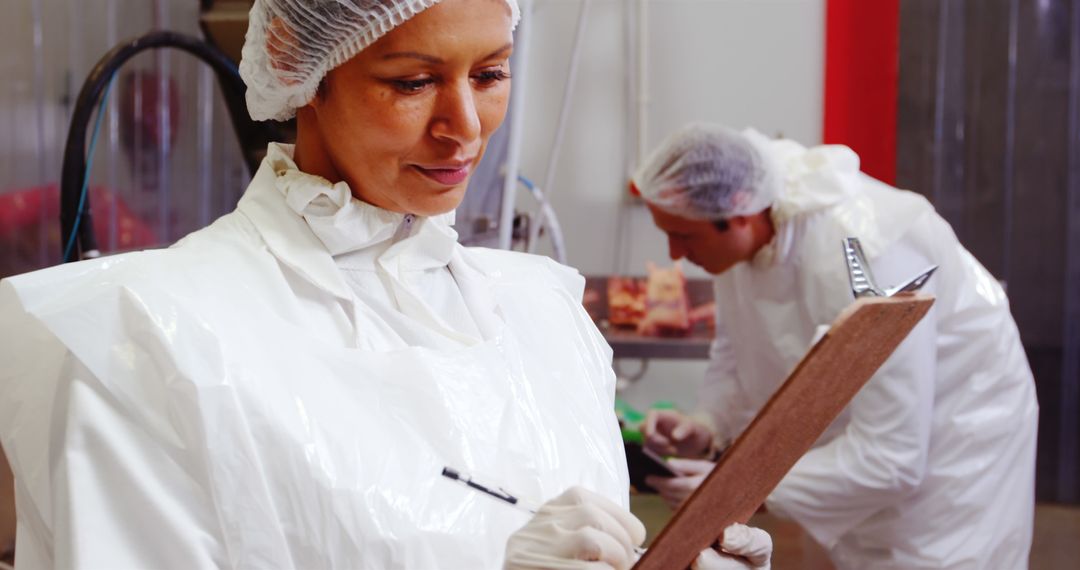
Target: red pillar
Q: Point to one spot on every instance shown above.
(862, 39)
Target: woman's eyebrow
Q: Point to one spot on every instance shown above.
(499, 51)
(413, 55)
(438, 61)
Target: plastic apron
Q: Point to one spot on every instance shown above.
(237, 417)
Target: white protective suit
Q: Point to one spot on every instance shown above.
(932, 464)
(283, 389)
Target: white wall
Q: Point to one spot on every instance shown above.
(738, 62)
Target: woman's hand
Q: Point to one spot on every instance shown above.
(578, 529)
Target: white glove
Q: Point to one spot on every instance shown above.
(668, 432)
(744, 548)
(675, 490)
(578, 529)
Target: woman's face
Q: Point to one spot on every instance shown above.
(406, 121)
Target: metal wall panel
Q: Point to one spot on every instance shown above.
(989, 99)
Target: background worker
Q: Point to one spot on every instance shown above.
(932, 464)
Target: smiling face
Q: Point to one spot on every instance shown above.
(406, 121)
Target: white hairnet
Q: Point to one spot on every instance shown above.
(709, 172)
(292, 44)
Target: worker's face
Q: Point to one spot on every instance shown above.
(703, 244)
(406, 121)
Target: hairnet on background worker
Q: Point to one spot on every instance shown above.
(709, 173)
(932, 464)
(284, 387)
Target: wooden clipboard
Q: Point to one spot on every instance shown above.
(859, 341)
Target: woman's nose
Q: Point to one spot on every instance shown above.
(456, 117)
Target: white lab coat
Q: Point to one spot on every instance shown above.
(233, 402)
(932, 464)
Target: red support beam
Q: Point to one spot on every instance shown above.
(862, 40)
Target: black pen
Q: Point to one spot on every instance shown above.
(498, 493)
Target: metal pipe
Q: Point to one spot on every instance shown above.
(560, 129)
(39, 100)
(163, 114)
(620, 261)
(206, 144)
(517, 124)
(643, 97)
(112, 36)
(1009, 170)
(1069, 466)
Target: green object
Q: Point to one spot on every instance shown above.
(627, 413)
(630, 418)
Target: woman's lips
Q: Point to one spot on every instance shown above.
(446, 175)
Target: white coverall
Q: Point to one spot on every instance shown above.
(932, 464)
(283, 389)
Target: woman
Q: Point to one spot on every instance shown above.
(283, 388)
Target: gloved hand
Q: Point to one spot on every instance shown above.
(669, 432)
(578, 529)
(675, 490)
(744, 548)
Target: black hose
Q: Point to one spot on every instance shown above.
(253, 136)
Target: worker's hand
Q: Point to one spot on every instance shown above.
(668, 432)
(675, 490)
(578, 529)
(743, 548)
